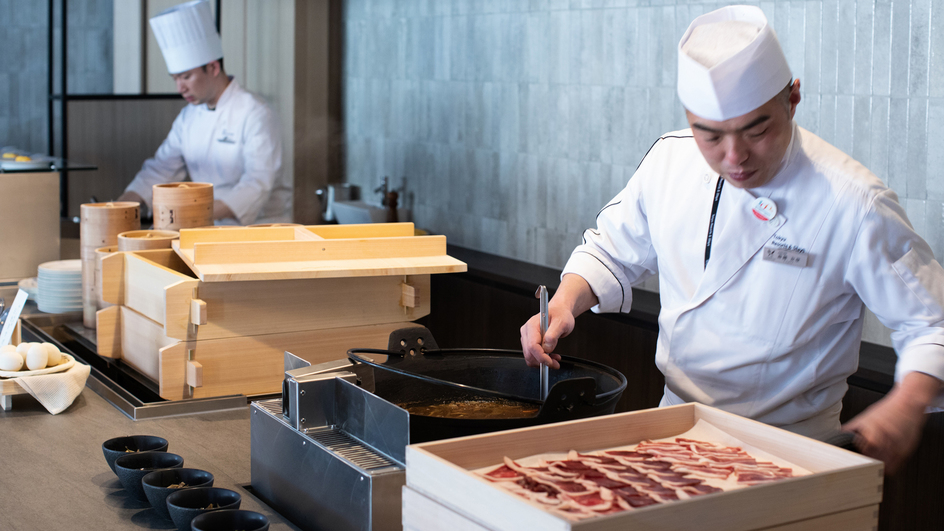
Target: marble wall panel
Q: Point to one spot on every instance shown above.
(514, 121)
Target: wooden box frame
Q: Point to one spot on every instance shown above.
(159, 285)
(248, 365)
(842, 487)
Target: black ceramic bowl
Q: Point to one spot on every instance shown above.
(132, 467)
(157, 485)
(187, 504)
(119, 446)
(230, 520)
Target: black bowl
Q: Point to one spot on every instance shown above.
(230, 520)
(157, 485)
(119, 446)
(187, 504)
(132, 467)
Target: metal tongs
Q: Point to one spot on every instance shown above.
(541, 294)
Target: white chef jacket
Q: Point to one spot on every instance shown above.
(236, 147)
(762, 339)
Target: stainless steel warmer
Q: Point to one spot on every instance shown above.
(329, 455)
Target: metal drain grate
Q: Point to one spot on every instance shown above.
(272, 407)
(350, 449)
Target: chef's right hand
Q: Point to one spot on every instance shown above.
(538, 352)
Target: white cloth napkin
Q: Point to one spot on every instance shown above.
(57, 391)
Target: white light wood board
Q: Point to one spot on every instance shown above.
(421, 513)
(188, 237)
(157, 285)
(108, 332)
(255, 364)
(279, 253)
(267, 307)
(840, 480)
(141, 340)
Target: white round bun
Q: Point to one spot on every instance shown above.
(55, 357)
(10, 360)
(36, 357)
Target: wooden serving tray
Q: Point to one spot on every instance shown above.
(160, 286)
(317, 251)
(843, 488)
(248, 365)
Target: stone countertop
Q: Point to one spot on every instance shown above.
(54, 475)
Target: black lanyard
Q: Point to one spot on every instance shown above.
(711, 224)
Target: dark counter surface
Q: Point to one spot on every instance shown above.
(54, 475)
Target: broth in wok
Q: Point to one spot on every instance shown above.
(496, 408)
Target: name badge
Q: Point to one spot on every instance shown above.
(226, 137)
(785, 256)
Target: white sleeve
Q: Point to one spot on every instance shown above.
(262, 163)
(894, 272)
(619, 252)
(166, 166)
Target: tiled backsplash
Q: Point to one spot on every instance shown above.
(514, 121)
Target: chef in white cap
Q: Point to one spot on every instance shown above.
(768, 242)
(226, 136)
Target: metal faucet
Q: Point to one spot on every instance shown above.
(383, 189)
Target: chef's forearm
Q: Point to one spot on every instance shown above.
(575, 294)
(221, 210)
(916, 390)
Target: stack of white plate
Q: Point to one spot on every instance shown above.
(60, 286)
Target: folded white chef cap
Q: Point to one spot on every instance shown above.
(187, 36)
(730, 63)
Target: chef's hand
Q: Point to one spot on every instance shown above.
(221, 210)
(890, 429)
(537, 351)
(572, 298)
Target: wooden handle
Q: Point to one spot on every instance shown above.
(409, 298)
(194, 374)
(198, 312)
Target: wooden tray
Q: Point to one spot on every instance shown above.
(248, 365)
(842, 485)
(317, 251)
(160, 286)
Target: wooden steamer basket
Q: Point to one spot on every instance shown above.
(143, 240)
(100, 225)
(182, 205)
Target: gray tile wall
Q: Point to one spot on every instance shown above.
(514, 121)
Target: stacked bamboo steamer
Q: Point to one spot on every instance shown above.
(100, 225)
(182, 205)
(144, 240)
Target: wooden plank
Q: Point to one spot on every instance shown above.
(108, 332)
(421, 513)
(302, 233)
(327, 269)
(269, 307)
(145, 282)
(254, 365)
(366, 230)
(841, 480)
(260, 252)
(141, 339)
(861, 519)
(113, 278)
(188, 237)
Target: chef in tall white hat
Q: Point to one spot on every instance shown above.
(225, 136)
(768, 243)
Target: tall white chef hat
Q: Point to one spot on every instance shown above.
(187, 36)
(730, 63)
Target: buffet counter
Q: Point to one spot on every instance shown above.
(55, 476)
